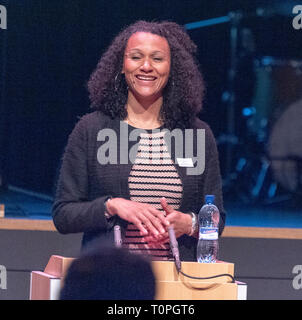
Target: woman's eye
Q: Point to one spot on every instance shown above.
(158, 59)
(135, 58)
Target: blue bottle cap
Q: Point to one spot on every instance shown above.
(209, 198)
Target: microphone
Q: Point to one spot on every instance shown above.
(174, 247)
(117, 236)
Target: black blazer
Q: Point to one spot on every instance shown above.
(84, 184)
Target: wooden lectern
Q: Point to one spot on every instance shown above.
(170, 285)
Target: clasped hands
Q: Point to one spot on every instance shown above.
(151, 222)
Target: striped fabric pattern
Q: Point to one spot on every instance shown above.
(152, 177)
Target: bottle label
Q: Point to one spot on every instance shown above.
(208, 233)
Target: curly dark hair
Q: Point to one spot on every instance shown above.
(184, 92)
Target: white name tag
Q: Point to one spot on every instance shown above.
(185, 162)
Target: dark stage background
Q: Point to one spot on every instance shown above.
(47, 54)
(51, 47)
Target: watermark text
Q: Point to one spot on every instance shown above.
(297, 21)
(297, 281)
(186, 146)
(3, 17)
(3, 277)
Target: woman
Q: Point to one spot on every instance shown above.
(148, 80)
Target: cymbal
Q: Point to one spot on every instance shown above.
(284, 8)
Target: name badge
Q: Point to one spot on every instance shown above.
(185, 162)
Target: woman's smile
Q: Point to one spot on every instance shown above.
(147, 64)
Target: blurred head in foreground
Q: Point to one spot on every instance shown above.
(104, 272)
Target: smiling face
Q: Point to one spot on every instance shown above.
(147, 65)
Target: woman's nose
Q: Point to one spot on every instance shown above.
(146, 66)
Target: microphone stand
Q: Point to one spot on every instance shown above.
(3, 112)
(235, 19)
(174, 248)
(117, 236)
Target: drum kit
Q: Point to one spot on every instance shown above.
(266, 161)
(263, 160)
(274, 122)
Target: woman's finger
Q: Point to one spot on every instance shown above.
(160, 215)
(149, 222)
(168, 209)
(161, 239)
(138, 223)
(156, 221)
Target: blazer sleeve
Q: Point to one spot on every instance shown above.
(72, 210)
(212, 180)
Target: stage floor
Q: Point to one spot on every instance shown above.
(283, 220)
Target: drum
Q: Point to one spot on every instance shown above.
(285, 148)
(278, 84)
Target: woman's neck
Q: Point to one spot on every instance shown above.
(143, 113)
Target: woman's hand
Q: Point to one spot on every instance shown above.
(144, 216)
(181, 223)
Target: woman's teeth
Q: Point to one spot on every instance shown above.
(145, 78)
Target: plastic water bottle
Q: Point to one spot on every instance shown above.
(208, 218)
